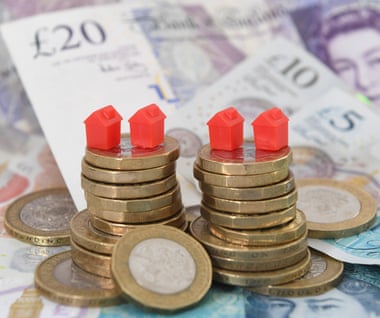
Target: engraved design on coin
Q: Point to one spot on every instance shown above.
(318, 266)
(162, 266)
(327, 205)
(52, 212)
(189, 142)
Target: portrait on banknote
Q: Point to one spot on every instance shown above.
(351, 298)
(347, 39)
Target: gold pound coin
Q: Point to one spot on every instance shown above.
(162, 267)
(335, 209)
(264, 278)
(84, 234)
(248, 221)
(94, 263)
(41, 218)
(139, 217)
(129, 191)
(254, 193)
(120, 229)
(61, 281)
(127, 176)
(217, 247)
(127, 157)
(239, 181)
(244, 160)
(97, 203)
(251, 206)
(263, 237)
(324, 274)
(258, 265)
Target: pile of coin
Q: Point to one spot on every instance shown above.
(249, 222)
(125, 188)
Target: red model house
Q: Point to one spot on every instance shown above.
(147, 127)
(103, 128)
(270, 130)
(226, 129)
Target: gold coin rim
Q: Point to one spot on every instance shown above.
(248, 221)
(50, 287)
(263, 237)
(28, 234)
(264, 277)
(215, 246)
(251, 206)
(83, 235)
(308, 287)
(252, 193)
(169, 151)
(365, 218)
(231, 167)
(185, 298)
(127, 176)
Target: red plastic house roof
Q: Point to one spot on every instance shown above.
(228, 117)
(273, 117)
(148, 115)
(105, 116)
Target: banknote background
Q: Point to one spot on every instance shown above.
(242, 27)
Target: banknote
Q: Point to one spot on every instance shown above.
(355, 296)
(279, 74)
(347, 132)
(331, 30)
(190, 48)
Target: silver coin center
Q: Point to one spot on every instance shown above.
(318, 267)
(323, 204)
(162, 266)
(52, 212)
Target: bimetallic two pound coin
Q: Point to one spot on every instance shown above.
(42, 217)
(127, 157)
(162, 267)
(61, 281)
(245, 160)
(324, 274)
(335, 209)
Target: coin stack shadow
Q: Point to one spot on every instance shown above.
(125, 188)
(249, 222)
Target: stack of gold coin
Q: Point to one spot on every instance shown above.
(125, 188)
(249, 222)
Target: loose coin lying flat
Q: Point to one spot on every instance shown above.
(243, 160)
(248, 221)
(127, 157)
(127, 176)
(61, 281)
(162, 267)
(41, 218)
(84, 234)
(279, 276)
(98, 203)
(263, 237)
(251, 206)
(120, 229)
(217, 247)
(94, 263)
(253, 193)
(335, 209)
(239, 181)
(139, 217)
(258, 265)
(129, 191)
(323, 275)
